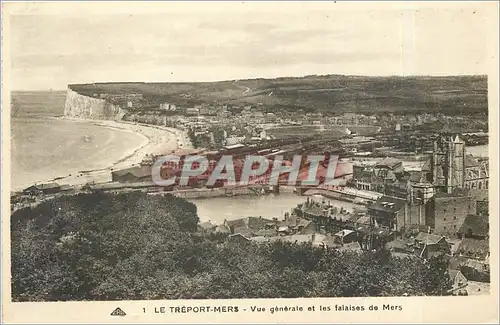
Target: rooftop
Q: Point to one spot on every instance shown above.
(470, 161)
(387, 204)
(428, 239)
(45, 186)
(254, 223)
(400, 244)
(234, 146)
(137, 171)
(344, 232)
(389, 162)
(475, 248)
(475, 226)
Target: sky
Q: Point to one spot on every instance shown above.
(55, 45)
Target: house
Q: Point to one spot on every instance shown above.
(207, 226)
(428, 245)
(233, 140)
(371, 237)
(315, 239)
(388, 212)
(388, 167)
(345, 236)
(192, 111)
(401, 247)
(399, 188)
(351, 247)
(359, 221)
(239, 238)
(294, 224)
(270, 232)
(207, 110)
(472, 248)
(47, 188)
(364, 177)
(306, 227)
(132, 174)
(476, 173)
(458, 280)
(472, 269)
(168, 107)
(264, 239)
(378, 176)
(249, 226)
(284, 230)
(316, 214)
(222, 229)
(234, 147)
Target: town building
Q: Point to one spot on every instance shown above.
(452, 168)
(239, 238)
(448, 163)
(191, 111)
(459, 282)
(475, 249)
(476, 173)
(132, 174)
(345, 236)
(389, 213)
(449, 212)
(401, 247)
(251, 226)
(315, 239)
(38, 189)
(428, 245)
(376, 177)
(168, 107)
(207, 226)
(294, 224)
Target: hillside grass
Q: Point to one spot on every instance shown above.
(330, 94)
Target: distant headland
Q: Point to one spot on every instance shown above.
(328, 94)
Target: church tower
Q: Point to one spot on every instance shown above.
(448, 163)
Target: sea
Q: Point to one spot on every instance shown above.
(45, 147)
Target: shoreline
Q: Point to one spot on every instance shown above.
(157, 140)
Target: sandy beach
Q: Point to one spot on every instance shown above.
(158, 140)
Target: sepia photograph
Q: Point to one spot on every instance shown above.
(225, 152)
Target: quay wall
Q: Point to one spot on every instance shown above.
(347, 194)
(216, 192)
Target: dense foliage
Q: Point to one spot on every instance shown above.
(134, 246)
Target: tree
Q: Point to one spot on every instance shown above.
(219, 138)
(193, 138)
(100, 246)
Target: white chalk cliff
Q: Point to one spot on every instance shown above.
(85, 107)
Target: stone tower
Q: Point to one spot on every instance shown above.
(448, 163)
